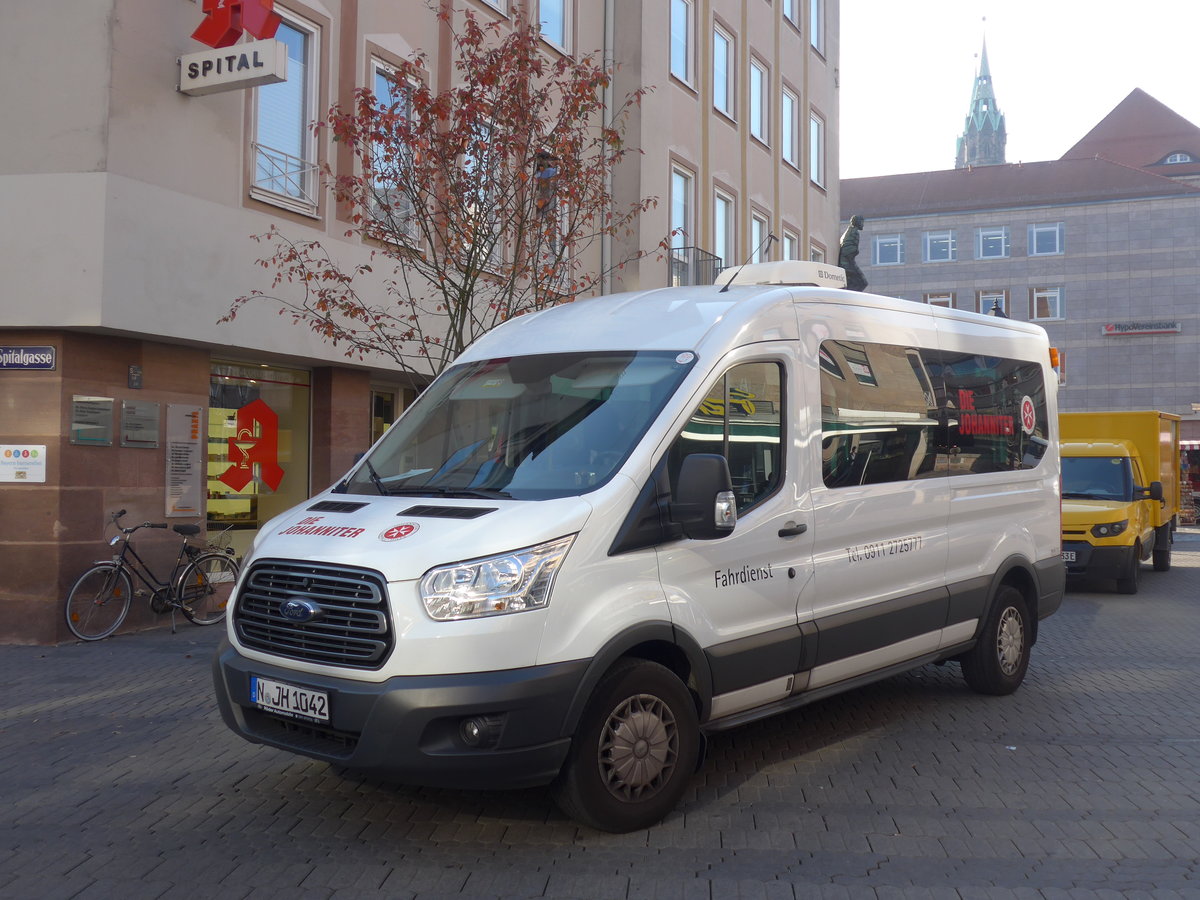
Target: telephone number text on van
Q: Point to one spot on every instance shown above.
(880, 549)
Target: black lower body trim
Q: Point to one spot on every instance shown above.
(408, 728)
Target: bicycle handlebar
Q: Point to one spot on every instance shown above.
(116, 517)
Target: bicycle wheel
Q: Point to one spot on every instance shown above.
(207, 587)
(98, 602)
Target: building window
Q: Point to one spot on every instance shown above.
(986, 301)
(791, 245)
(554, 20)
(940, 298)
(791, 11)
(258, 443)
(498, 5)
(816, 25)
(1047, 240)
(758, 238)
(681, 40)
(1046, 303)
(285, 150)
(723, 85)
(1177, 158)
(816, 150)
(992, 243)
(681, 207)
(723, 231)
(390, 204)
(789, 137)
(816, 253)
(887, 250)
(939, 246)
(758, 101)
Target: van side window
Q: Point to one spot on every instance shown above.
(878, 424)
(995, 412)
(741, 418)
(892, 413)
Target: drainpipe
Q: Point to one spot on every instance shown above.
(609, 62)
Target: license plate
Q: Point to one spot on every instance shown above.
(289, 700)
(1068, 556)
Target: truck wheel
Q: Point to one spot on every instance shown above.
(1162, 548)
(1128, 584)
(997, 664)
(634, 751)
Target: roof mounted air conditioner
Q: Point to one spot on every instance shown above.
(787, 271)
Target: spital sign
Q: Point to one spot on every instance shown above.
(226, 67)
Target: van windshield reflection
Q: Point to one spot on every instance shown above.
(526, 428)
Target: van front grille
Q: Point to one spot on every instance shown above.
(341, 617)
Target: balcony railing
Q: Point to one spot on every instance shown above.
(691, 265)
(284, 174)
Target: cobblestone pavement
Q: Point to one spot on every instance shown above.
(119, 780)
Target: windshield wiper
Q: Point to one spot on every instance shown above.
(450, 492)
(375, 479)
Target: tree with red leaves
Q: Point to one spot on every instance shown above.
(482, 200)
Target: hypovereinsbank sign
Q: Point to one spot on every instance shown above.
(1116, 329)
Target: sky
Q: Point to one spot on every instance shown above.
(1058, 67)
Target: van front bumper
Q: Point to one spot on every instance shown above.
(408, 728)
(1097, 562)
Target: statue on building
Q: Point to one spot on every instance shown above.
(848, 255)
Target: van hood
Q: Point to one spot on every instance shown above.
(1092, 512)
(404, 537)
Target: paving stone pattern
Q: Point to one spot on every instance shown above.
(117, 779)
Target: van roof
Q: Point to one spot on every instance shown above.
(691, 318)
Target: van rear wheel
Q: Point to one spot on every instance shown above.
(634, 751)
(997, 664)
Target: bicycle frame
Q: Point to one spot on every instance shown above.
(140, 570)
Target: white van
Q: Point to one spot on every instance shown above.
(621, 524)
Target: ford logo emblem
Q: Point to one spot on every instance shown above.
(296, 610)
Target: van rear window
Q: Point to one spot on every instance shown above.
(896, 413)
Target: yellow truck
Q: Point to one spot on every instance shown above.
(1120, 493)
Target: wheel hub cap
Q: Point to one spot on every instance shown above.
(1010, 641)
(639, 746)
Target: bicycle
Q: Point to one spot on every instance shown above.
(200, 585)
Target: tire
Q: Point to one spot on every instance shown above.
(1162, 548)
(634, 752)
(1128, 583)
(997, 664)
(206, 588)
(98, 602)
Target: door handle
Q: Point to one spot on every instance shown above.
(792, 530)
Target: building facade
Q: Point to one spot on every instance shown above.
(1098, 247)
(131, 206)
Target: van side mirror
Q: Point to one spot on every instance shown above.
(1156, 491)
(704, 505)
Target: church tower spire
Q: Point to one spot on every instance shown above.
(982, 142)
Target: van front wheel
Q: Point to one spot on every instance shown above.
(997, 664)
(1128, 583)
(1162, 548)
(634, 751)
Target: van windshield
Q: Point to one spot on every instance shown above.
(526, 428)
(1097, 478)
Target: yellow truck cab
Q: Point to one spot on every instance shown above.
(1120, 493)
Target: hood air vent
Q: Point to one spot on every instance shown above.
(449, 512)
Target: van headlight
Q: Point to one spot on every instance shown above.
(1109, 529)
(508, 583)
